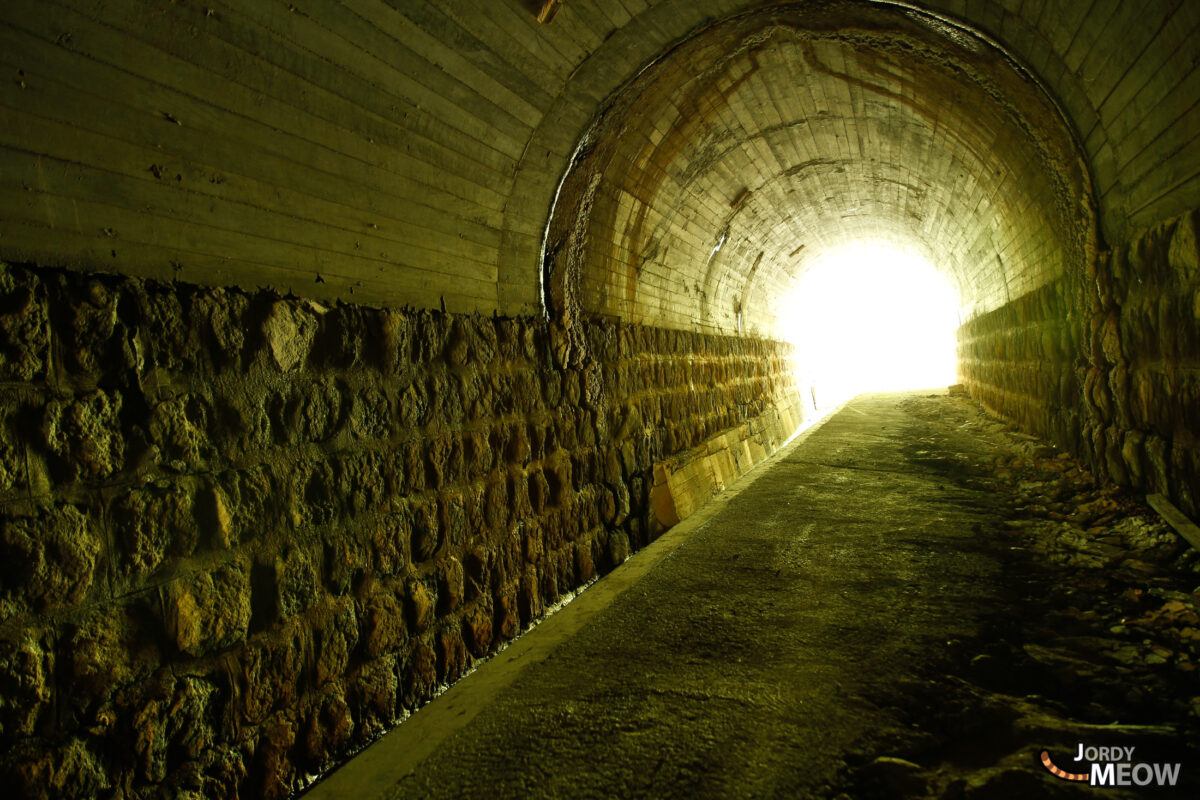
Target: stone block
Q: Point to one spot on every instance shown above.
(414, 466)
(551, 384)
(390, 537)
(383, 623)
(420, 607)
(50, 559)
(152, 525)
(1133, 453)
(179, 428)
(529, 596)
(507, 622)
(450, 585)
(85, 434)
(420, 671)
(26, 682)
(346, 337)
(539, 491)
(413, 406)
(446, 399)
(92, 320)
(532, 541)
(254, 506)
(313, 498)
(274, 771)
(24, 325)
(335, 638)
(518, 493)
(477, 575)
(1158, 463)
(215, 517)
(295, 582)
(177, 721)
(477, 459)
(395, 341)
(170, 347)
(1183, 254)
(69, 768)
(431, 331)
(1113, 458)
(371, 416)
(207, 611)
(321, 410)
(13, 472)
(475, 389)
(452, 655)
(477, 630)
(437, 455)
(360, 481)
(585, 567)
(558, 482)
(328, 730)
(496, 509)
(289, 331)
(516, 448)
(426, 530)
(458, 343)
(270, 673)
(220, 318)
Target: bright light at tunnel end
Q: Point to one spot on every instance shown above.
(869, 317)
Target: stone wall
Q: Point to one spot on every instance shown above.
(1019, 361)
(1108, 367)
(1142, 350)
(240, 534)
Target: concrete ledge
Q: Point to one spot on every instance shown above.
(687, 481)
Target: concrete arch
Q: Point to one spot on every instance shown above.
(660, 179)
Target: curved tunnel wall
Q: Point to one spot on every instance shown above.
(708, 184)
(265, 476)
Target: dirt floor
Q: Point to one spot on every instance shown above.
(913, 601)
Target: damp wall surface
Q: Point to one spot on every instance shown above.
(1107, 365)
(242, 533)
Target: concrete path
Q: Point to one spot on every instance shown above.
(735, 656)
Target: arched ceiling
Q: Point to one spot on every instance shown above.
(708, 182)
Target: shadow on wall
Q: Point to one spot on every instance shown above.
(241, 534)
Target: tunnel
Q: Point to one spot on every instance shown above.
(353, 352)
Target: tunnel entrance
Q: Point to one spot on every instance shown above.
(871, 317)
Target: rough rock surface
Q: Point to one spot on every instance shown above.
(241, 534)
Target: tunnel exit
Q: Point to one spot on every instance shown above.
(871, 317)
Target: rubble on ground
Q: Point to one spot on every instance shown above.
(1101, 643)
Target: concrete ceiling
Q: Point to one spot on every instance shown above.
(410, 153)
(708, 182)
